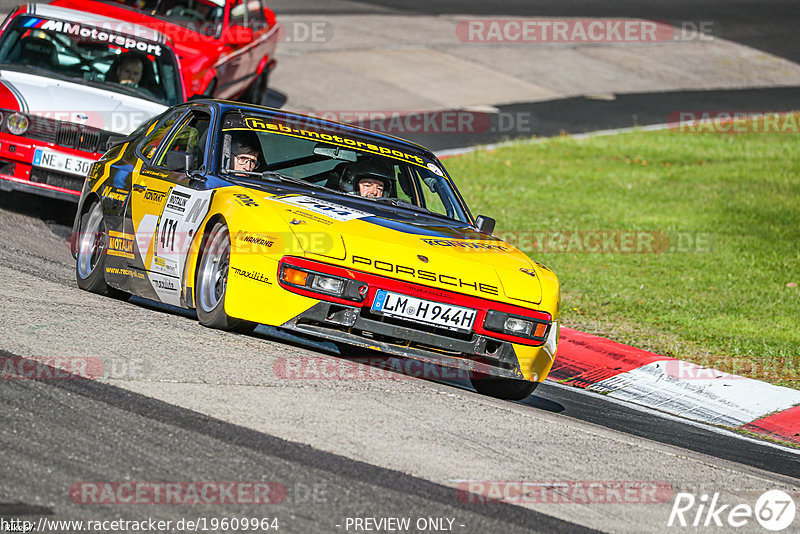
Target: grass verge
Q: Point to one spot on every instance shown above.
(685, 244)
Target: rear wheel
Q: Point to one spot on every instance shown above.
(212, 279)
(502, 388)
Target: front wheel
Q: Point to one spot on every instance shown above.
(92, 251)
(212, 279)
(256, 93)
(502, 388)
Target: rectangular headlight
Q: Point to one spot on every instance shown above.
(327, 284)
(517, 327)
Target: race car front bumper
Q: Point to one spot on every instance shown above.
(354, 326)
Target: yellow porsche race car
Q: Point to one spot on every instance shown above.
(255, 216)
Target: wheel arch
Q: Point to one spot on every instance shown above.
(191, 265)
(83, 208)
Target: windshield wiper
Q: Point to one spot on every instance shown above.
(284, 178)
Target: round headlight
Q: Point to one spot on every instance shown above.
(17, 123)
(1, 117)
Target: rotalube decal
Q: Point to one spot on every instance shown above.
(100, 35)
(324, 207)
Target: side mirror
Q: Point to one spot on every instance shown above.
(240, 35)
(484, 225)
(178, 161)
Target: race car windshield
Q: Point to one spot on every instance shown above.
(94, 56)
(392, 176)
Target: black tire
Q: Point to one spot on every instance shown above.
(91, 258)
(502, 388)
(211, 279)
(256, 92)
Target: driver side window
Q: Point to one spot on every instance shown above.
(190, 138)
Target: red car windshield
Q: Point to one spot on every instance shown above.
(204, 16)
(97, 56)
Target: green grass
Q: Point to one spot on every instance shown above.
(724, 303)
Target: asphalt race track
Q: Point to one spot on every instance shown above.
(179, 403)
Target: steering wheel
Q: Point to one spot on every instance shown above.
(183, 11)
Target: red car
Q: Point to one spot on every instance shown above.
(226, 47)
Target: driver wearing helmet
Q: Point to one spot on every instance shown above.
(370, 178)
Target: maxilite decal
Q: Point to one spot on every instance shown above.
(96, 34)
(279, 128)
(428, 276)
(252, 275)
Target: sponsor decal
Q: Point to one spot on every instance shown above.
(425, 275)
(120, 195)
(334, 139)
(177, 202)
(252, 275)
(165, 265)
(164, 283)
(120, 244)
(258, 240)
(125, 272)
(153, 173)
(97, 34)
(435, 169)
(245, 200)
(323, 207)
(156, 197)
(473, 245)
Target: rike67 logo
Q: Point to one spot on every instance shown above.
(774, 510)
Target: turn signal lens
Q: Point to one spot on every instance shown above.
(293, 276)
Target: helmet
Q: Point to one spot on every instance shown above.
(367, 168)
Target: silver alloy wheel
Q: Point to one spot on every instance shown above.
(92, 242)
(213, 272)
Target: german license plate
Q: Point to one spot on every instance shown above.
(58, 161)
(423, 311)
